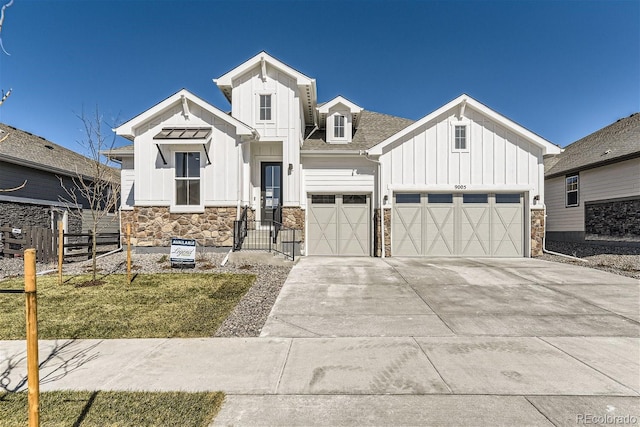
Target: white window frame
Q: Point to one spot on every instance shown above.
(572, 190)
(337, 125)
(271, 110)
(467, 130)
(331, 128)
(175, 207)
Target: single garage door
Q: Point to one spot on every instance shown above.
(466, 224)
(339, 224)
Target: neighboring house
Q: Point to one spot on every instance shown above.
(41, 163)
(462, 181)
(593, 187)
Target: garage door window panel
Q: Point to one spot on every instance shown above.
(354, 199)
(502, 198)
(440, 198)
(323, 199)
(475, 198)
(408, 198)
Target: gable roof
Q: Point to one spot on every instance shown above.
(323, 110)
(462, 101)
(372, 129)
(127, 129)
(307, 85)
(33, 151)
(614, 143)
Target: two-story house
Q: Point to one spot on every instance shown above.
(462, 181)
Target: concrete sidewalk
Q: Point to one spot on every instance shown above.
(396, 342)
(355, 381)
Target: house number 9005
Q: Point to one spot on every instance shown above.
(460, 187)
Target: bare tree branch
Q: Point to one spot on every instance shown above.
(1, 23)
(95, 186)
(6, 190)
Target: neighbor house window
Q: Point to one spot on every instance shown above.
(187, 179)
(572, 187)
(460, 137)
(338, 126)
(265, 107)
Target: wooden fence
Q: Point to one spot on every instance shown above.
(81, 244)
(13, 242)
(16, 240)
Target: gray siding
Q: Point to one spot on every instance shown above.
(109, 223)
(41, 185)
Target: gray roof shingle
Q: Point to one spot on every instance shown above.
(18, 146)
(373, 128)
(617, 142)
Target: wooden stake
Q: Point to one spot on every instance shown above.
(60, 251)
(129, 253)
(33, 376)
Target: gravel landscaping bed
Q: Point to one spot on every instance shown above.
(622, 260)
(249, 315)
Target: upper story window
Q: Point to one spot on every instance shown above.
(188, 179)
(265, 107)
(572, 189)
(338, 126)
(460, 137)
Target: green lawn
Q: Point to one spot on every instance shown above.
(107, 408)
(153, 306)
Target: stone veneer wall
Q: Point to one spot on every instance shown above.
(28, 215)
(613, 220)
(537, 232)
(377, 249)
(155, 226)
(293, 217)
(24, 215)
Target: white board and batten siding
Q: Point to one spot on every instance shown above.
(285, 126)
(338, 176)
(127, 180)
(154, 181)
(613, 181)
(496, 159)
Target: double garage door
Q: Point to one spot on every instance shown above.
(437, 224)
(339, 224)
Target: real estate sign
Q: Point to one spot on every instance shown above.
(183, 251)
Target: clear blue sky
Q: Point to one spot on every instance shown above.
(562, 69)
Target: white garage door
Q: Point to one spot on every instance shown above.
(339, 224)
(436, 224)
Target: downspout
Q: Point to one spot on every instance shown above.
(380, 199)
(544, 243)
(240, 183)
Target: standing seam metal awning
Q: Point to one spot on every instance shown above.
(183, 135)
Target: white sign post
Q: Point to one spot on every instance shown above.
(183, 252)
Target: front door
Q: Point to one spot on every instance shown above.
(270, 189)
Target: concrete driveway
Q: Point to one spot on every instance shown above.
(400, 297)
(451, 342)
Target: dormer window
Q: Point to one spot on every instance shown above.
(339, 117)
(338, 126)
(265, 107)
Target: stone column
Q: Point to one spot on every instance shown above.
(537, 232)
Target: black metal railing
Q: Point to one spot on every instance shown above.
(240, 229)
(266, 235)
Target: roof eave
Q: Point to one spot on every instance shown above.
(127, 129)
(588, 166)
(546, 146)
